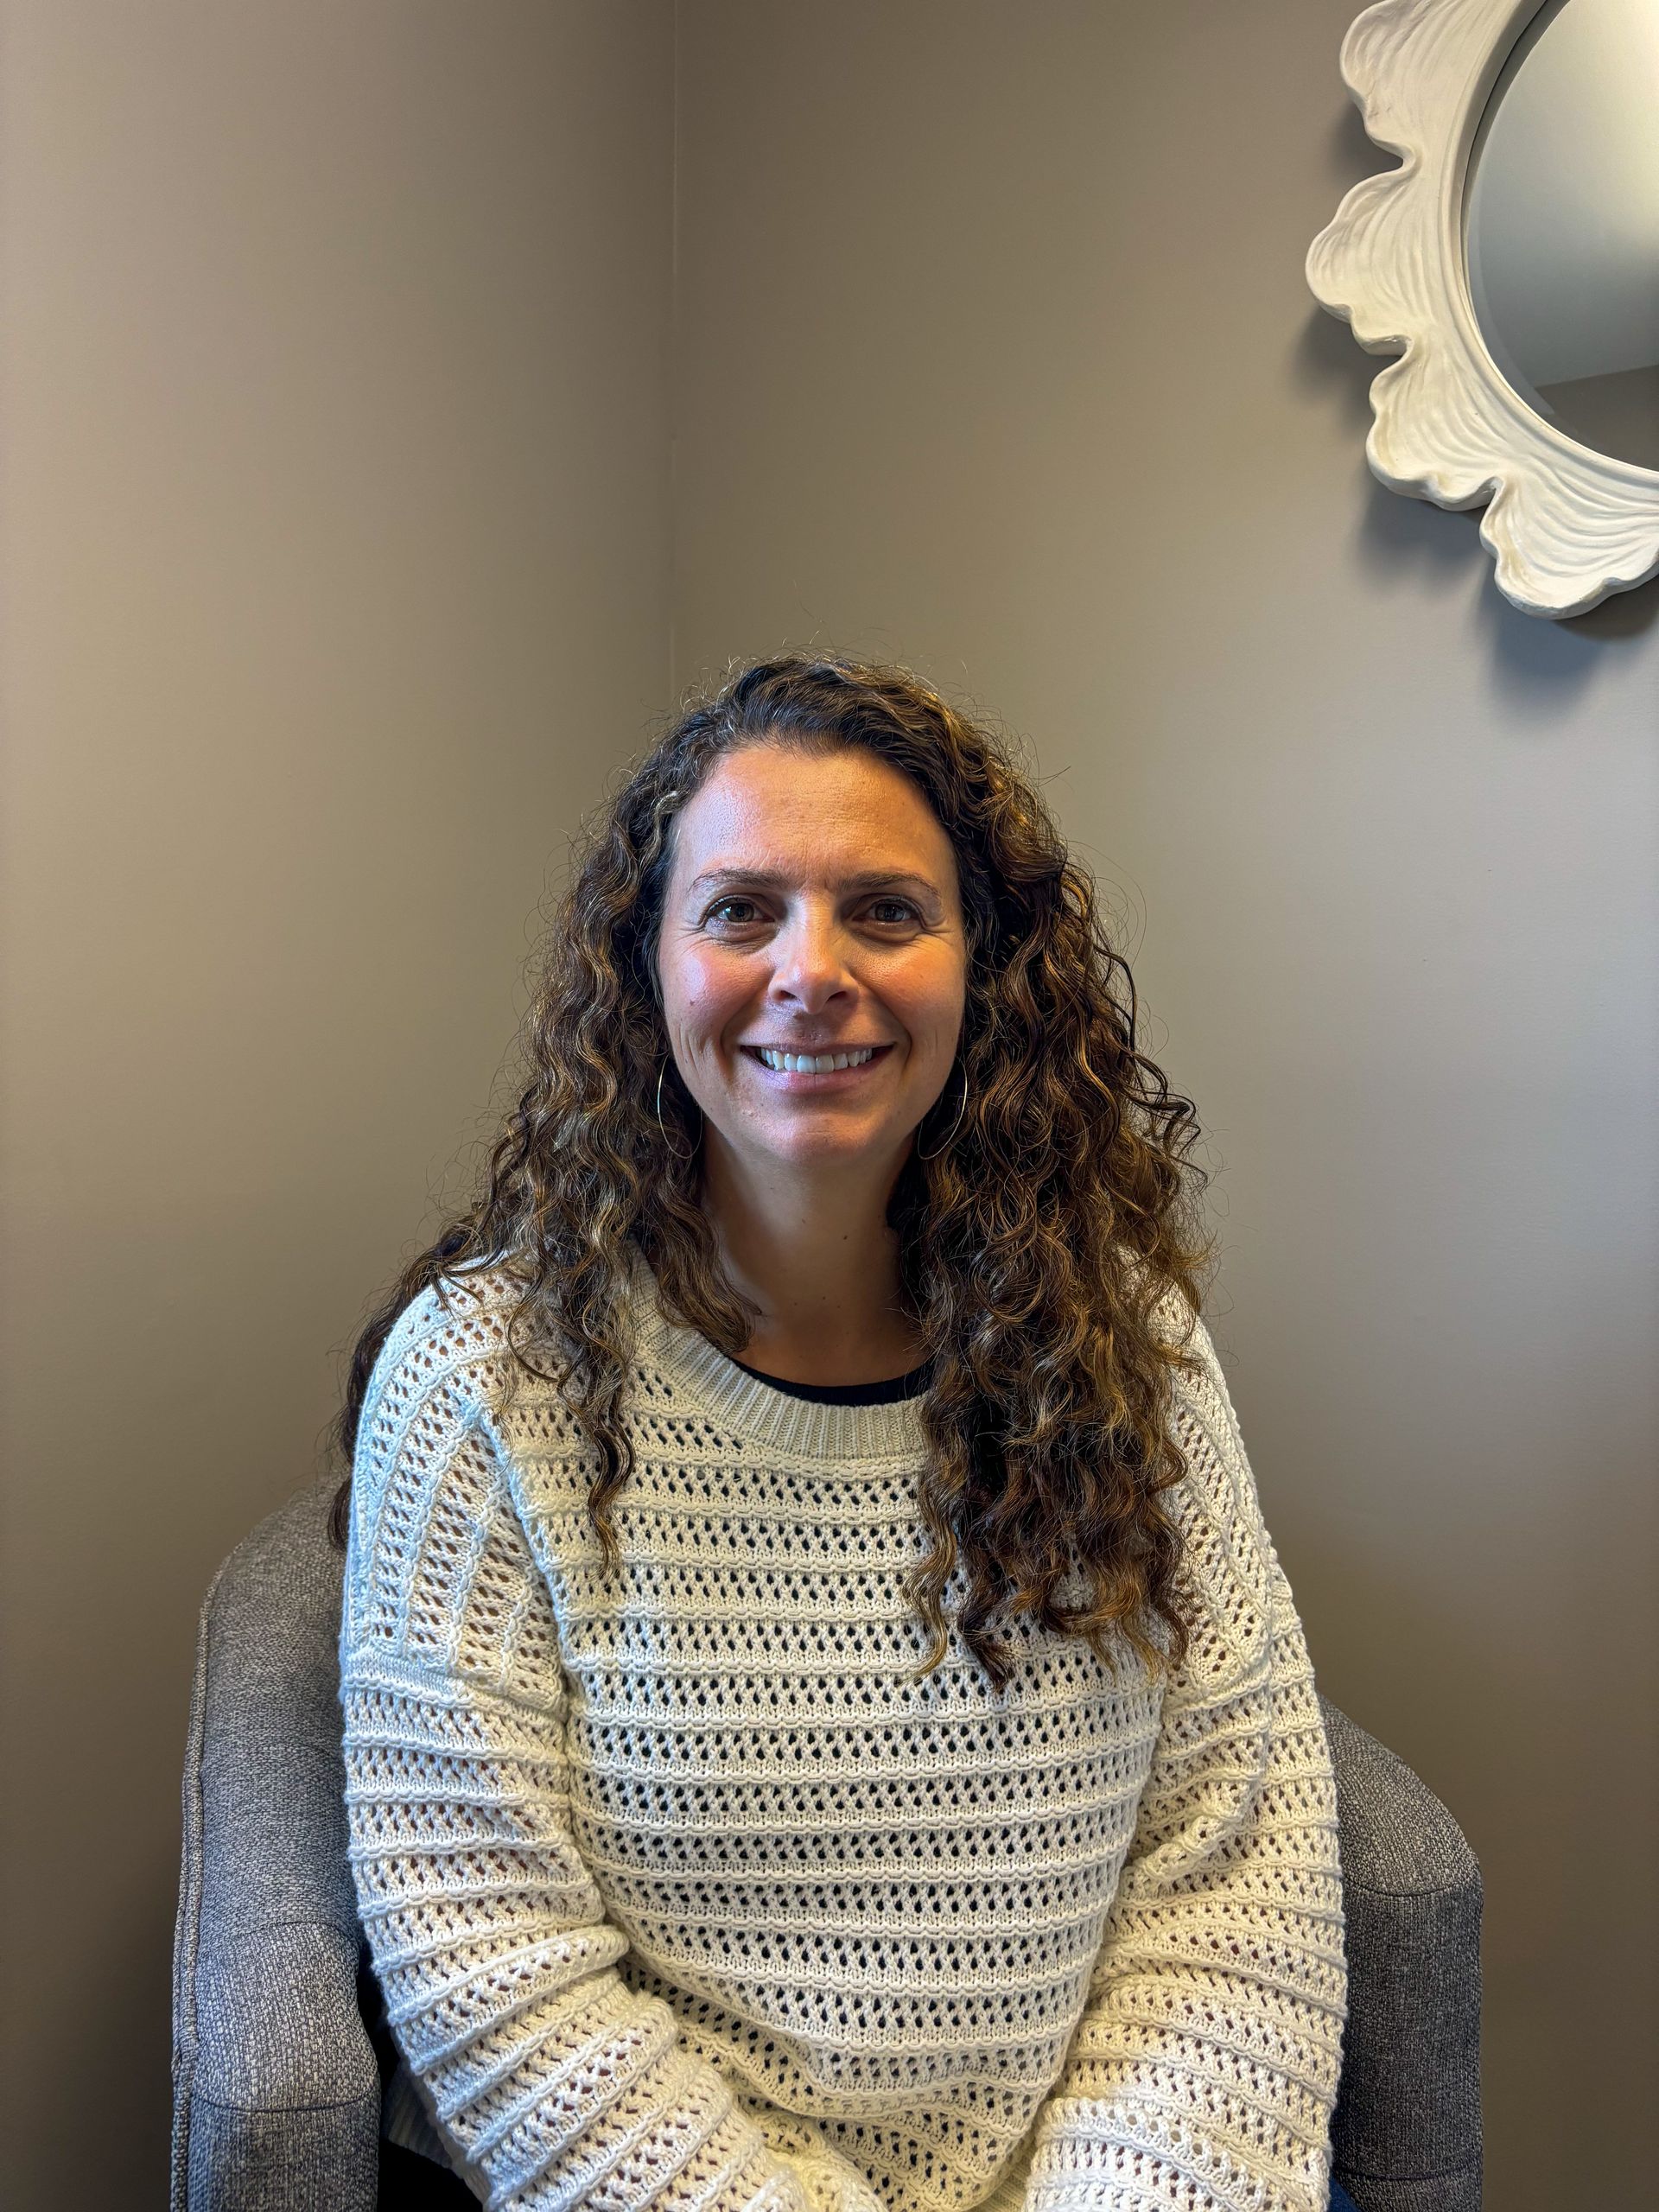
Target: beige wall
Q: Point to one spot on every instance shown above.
(994, 353)
(335, 582)
(336, 547)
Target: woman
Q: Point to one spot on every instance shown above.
(825, 1725)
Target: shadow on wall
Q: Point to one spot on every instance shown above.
(1539, 665)
(1439, 1665)
(115, 2038)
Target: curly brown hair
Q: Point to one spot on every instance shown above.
(1036, 1252)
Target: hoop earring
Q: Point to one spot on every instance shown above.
(955, 1126)
(673, 1148)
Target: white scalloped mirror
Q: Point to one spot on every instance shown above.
(1512, 261)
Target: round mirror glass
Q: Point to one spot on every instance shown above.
(1561, 223)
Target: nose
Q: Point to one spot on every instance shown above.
(809, 961)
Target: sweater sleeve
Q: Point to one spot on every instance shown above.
(552, 2083)
(1202, 2075)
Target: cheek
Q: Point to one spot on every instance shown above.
(933, 1003)
(708, 989)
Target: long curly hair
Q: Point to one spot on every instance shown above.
(1037, 1251)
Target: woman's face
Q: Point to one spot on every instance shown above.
(813, 906)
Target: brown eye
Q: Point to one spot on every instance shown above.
(723, 903)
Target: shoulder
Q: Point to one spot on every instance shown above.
(1228, 1560)
(1200, 1388)
(429, 1487)
(427, 1408)
(1175, 1323)
(452, 1339)
(1219, 1485)
(1197, 1381)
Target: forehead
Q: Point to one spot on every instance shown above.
(770, 804)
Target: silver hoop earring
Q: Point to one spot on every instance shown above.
(673, 1148)
(955, 1126)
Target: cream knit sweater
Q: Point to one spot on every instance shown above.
(683, 1891)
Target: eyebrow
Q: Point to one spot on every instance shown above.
(864, 879)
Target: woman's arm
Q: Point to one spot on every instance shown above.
(1204, 2073)
(551, 2082)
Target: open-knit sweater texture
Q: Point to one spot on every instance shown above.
(686, 1889)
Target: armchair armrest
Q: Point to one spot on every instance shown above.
(285, 2099)
(277, 2090)
(1406, 2136)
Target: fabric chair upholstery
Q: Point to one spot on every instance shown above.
(276, 2094)
(276, 2078)
(1406, 2136)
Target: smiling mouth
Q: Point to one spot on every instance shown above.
(817, 1064)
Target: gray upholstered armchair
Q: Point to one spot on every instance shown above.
(276, 2049)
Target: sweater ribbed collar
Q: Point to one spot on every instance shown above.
(772, 1420)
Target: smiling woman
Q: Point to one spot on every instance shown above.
(826, 1728)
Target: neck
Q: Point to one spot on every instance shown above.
(819, 1258)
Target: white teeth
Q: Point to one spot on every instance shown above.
(818, 1064)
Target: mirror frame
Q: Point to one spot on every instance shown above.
(1565, 524)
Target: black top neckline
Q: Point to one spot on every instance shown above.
(849, 1393)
